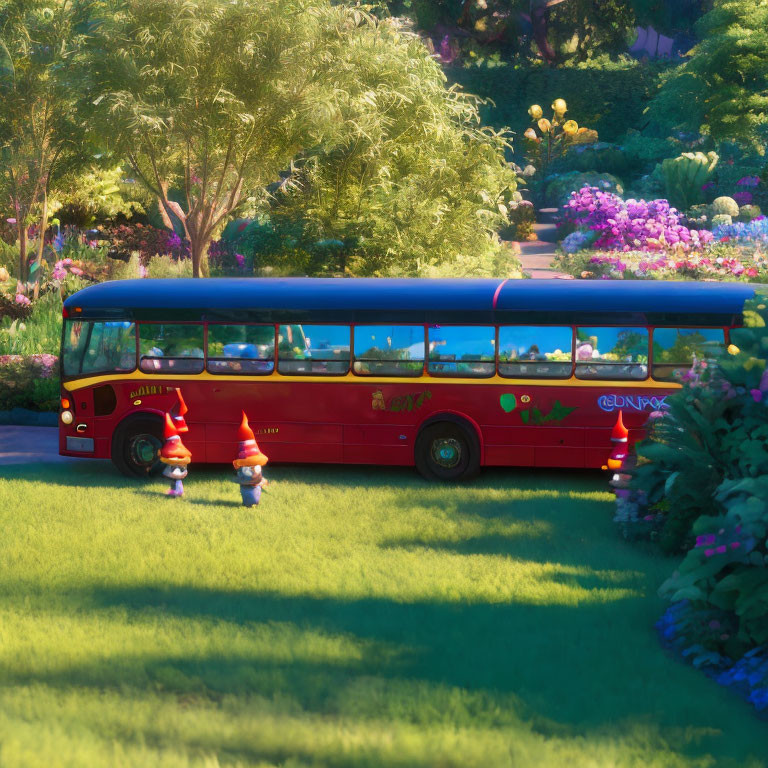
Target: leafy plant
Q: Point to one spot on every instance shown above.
(685, 176)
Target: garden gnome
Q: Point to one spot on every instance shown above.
(248, 464)
(620, 439)
(175, 455)
(177, 413)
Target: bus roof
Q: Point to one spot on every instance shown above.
(414, 300)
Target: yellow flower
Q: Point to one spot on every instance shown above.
(559, 107)
(4, 275)
(733, 349)
(531, 134)
(571, 127)
(544, 125)
(536, 112)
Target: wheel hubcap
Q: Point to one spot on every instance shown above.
(143, 450)
(446, 452)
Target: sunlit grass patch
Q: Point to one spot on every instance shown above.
(357, 617)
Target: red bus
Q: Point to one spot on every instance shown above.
(446, 375)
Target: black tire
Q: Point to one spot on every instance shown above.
(135, 446)
(448, 451)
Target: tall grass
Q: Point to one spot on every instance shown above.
(358, 617)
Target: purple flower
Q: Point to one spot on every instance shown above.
(757, 395)
(748, 181)
(240, 260)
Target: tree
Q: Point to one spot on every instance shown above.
(223, 127)
(408, 181)
(723, 89)
(213, 97)
(39, 138)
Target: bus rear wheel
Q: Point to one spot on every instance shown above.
(136, 444)
(447, 451)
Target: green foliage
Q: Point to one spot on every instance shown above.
(96, 195)
(707, 461)
(723, 89)
(685, 176)
(40, 139)
(39, 332)
(29, 382)
(409, 182)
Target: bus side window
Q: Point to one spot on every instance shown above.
(468, 351)
(389, 350)
(245, 349)
(544, 352)
(313, 350)
(170, 348)
(613, 354)
(675, 348)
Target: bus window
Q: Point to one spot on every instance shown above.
(612, 353)
(241, 349)
(98, 347)
(389, 350)
(535, 352)
(173, 348)
(675, 348)
(320, 350)
(466, 351)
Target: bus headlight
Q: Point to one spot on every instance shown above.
(67, 417)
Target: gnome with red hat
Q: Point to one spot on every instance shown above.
(178, 411)
(620, 439)
(248, 464)
(175, 455)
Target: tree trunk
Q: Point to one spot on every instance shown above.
(199, 250)
(540, 25)
(41, 242)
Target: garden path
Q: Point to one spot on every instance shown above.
(30, 445)
(536, 256)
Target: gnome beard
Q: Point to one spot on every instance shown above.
(175, 474)
(250, 480)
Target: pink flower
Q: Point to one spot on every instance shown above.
(76, 270)
(23, 300)
(142, 270)
(735, 544)
(721, 549)
(709, 552)
(757, 395)
(11, 221)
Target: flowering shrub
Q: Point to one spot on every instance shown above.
(29, 381)
(627, 225)
(704, 469)
(125, 239)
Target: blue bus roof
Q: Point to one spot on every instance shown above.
(414, 300)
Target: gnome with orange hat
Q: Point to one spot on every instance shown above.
(620, 440)
(175, 455)
(248, 464)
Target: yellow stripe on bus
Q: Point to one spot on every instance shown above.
(276, 378)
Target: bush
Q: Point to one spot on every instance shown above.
(29, 382)
(126, 239)
(724, 206)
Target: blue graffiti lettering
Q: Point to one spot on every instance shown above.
(610, 403)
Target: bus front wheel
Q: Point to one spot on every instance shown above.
(135, 446)
(448, 451)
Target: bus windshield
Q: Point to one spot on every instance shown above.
(98, 347)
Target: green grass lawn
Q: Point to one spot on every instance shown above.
(358, 617)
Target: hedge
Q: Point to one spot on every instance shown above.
(609, 97)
